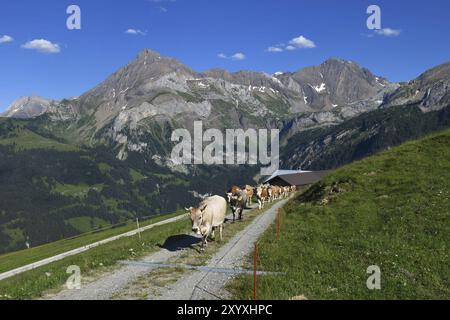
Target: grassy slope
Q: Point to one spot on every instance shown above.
(17, 259)
(390, 210)
(86, 224)
(26, 140)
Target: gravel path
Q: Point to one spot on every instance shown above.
(107, 285)
(208, 285)
(192, 285)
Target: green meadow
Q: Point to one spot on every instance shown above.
(391, 210)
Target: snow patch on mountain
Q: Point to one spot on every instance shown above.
(320, 88)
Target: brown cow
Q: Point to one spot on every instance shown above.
(250, 193)
(276, 192)
(262, 194)
(233, 191)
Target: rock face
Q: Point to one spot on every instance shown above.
(431, 90)
(334, 83)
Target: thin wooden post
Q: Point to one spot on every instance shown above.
(278, 225)
(255, 273)
(138, 228)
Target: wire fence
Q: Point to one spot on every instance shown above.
(129, 222)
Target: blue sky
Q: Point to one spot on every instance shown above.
(209, 33)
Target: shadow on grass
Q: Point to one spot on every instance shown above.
(180, 242)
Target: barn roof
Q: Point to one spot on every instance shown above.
(300, 178)
(280, 173)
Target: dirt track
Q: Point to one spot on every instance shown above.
(196, 285)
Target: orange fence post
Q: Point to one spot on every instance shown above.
(281, 219)
(255, 262)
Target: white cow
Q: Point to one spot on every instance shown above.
(209, 216)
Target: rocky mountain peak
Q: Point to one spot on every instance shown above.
(439, 73)
(27, 107)
(335, 82)
(148, 54)
(334, 60)
(429, 90)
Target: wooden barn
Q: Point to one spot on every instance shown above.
(297, 178)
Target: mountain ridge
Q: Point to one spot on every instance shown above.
(153, 92)
(136, 108)
(164, 65)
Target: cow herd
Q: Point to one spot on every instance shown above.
(210, 213)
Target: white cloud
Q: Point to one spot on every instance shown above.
(42, 45)
(274, 49)
(6, 39)
(135, 32)
(161, 5)
(237, 56)
(388, 32)
(297, 43)
(302, 42)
